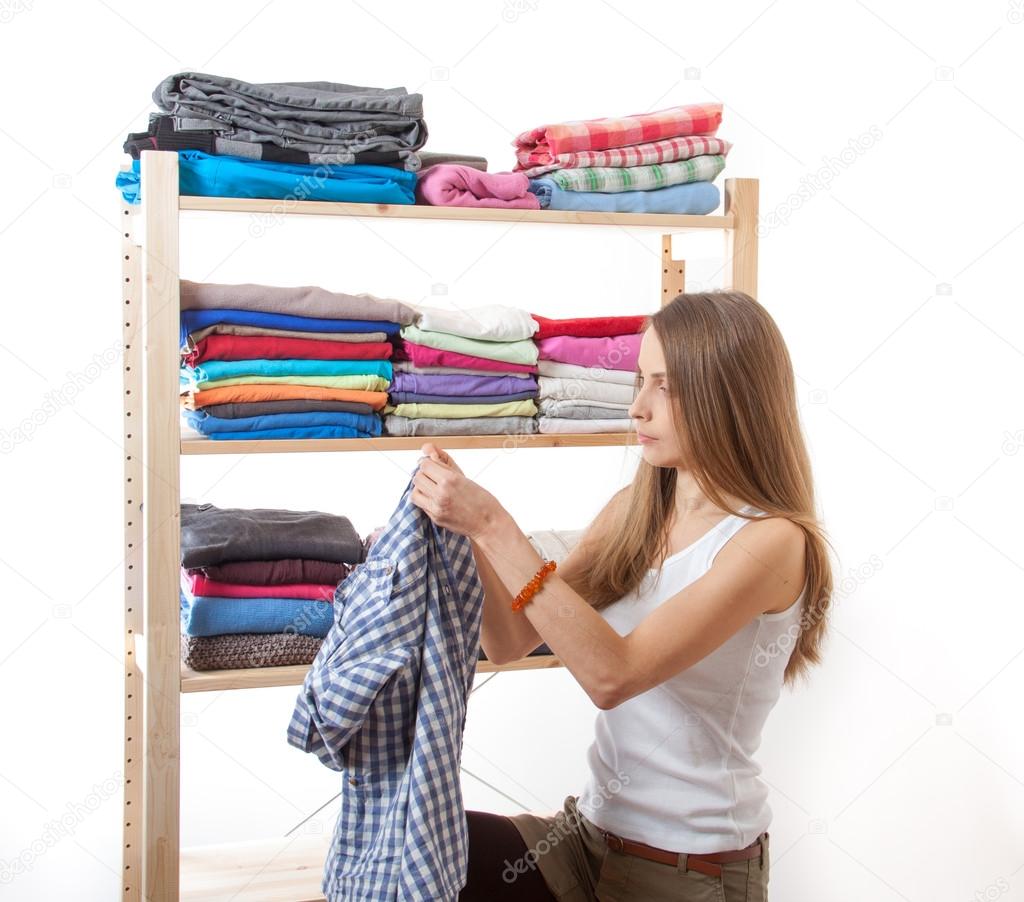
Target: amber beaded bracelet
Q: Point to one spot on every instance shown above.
(532, 586)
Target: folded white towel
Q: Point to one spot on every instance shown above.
(589, 390)
(490, 322)
(561, 424)
(549, 407)
(574, 371)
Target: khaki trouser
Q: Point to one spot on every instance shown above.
(578, 866)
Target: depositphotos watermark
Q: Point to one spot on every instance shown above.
(59, 398)
(813, 183)
(784, 642)
(564, 825)
(59, 829)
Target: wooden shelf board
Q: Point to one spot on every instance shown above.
(289, 869)
(405, 443)
(675, 221)
(293, 675)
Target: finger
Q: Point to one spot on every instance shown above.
(422, 501)
(424, 485)
(432, 469)
(435, 453)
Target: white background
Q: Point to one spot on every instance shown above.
(898, 772)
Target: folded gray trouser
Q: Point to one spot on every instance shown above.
(318, 117)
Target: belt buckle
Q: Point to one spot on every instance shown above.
(614, 842)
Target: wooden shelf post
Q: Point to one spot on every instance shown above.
(741, 203)
(134, 728)
(162, 519)
(673, 272)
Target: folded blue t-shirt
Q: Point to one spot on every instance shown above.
(692, 197)
(361, 425)
(217, 175)
(206, 615)
(195, 319)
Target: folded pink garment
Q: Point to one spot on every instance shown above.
(197, 584)
(452, 185)
(421, 355)
(619, 352)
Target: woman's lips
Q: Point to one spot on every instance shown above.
(644, 439)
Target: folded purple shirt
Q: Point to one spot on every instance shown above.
(461, 384)
(411, 397)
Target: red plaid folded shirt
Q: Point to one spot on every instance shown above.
(602, 134)
(534, 163)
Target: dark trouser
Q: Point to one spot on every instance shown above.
(494, 841)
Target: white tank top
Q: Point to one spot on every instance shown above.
(673, 767)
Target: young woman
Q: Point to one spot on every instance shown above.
(695, 594)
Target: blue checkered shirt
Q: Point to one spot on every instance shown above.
(385, 702)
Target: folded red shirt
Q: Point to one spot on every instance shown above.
(589, 326)
(275, 347)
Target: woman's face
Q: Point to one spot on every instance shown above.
(651, 408)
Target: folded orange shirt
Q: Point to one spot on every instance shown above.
(257, 391)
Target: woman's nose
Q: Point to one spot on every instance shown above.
(637, 410)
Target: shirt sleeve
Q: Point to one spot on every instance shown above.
(335, 700)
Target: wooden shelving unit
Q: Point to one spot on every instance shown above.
(155, 867)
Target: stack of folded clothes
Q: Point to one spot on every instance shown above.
(661, 162)
(587, 372)
(257, 585)
(303, 140)
(468, 372)
(267, 362)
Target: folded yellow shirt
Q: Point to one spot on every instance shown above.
(356, 382)
(524, 408)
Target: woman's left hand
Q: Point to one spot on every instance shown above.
(450, 498)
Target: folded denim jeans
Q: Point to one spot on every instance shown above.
(314, 116)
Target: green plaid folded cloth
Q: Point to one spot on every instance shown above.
(639, 178)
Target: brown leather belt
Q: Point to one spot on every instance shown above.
(709, 863)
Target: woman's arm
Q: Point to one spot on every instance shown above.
(755, 572)
(504, 635)
(507, 635)
(758, 570)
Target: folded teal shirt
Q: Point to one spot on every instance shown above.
(206, 175)
(210, 370)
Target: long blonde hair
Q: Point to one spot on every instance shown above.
(735, 411)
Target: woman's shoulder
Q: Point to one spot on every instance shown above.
(770, 545)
